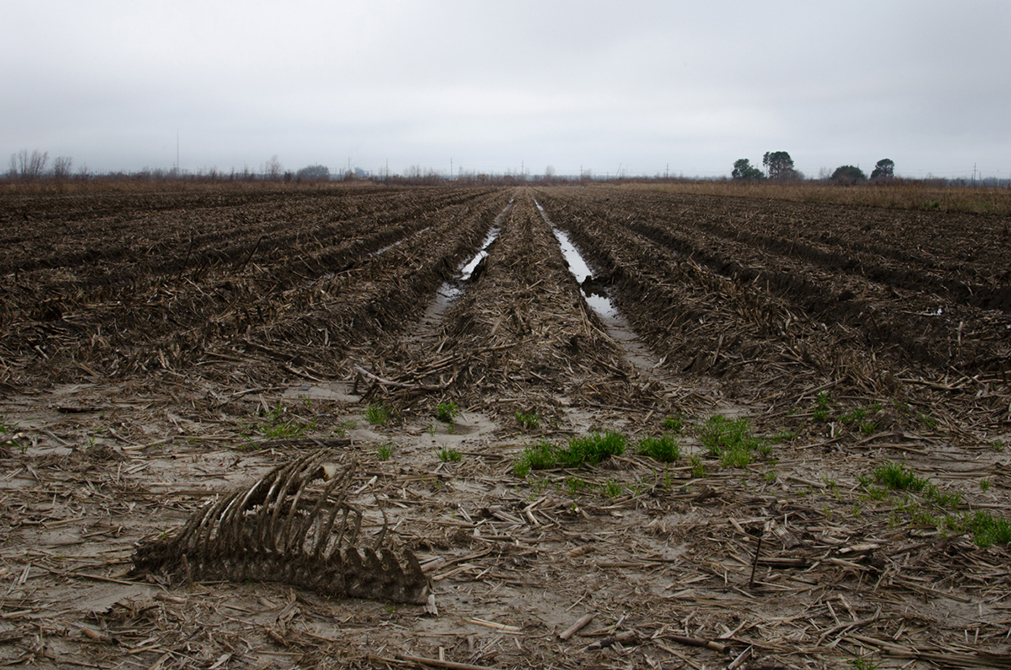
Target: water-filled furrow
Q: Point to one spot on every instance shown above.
(398, 242)
(450, 291)
(617, 327)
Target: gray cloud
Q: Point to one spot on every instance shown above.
(643, 85)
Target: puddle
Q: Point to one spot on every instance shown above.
(339, 391)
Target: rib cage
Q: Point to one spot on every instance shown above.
(281, 530)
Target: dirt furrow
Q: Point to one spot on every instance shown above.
(522, 330)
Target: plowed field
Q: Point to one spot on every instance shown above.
(835, 380)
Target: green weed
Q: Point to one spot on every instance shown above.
(586, 450)
(7, 429)
(987, 529)
(611, 489)
(385, 451)
(735, 458)
(664, 449)
(575, 485)
(730, 440)
(855, 416)
(528, 421)
(896, 477)
(536, 487)
(342, 428)
(539, 456)
(279, 426)
(821, 407)
(593, 448)
(675, 424)
(984, 485)
(446, 412)
(449, 455)
(946, 499)
(698, 469)
(858, 414)
(377, 415)
(865, 663)
(875, 493)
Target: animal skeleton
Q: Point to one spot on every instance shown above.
(284, 528)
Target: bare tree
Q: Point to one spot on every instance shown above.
(62, 167)
(273, 169)
(28, 166)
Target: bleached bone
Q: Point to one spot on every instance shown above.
(281, 530)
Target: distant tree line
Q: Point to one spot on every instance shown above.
(779, 165)
(28, 166)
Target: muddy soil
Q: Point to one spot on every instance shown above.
(157, 351)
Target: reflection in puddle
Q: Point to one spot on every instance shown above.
(595, 298)
(467, 269)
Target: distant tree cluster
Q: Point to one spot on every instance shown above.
(744, 170)
(884, 169)
(313, 173)
(779, 165)
(848, 175)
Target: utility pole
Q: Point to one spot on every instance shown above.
(451, 167)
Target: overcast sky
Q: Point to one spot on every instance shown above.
(502, 86)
